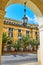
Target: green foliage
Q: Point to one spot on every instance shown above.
(34, 42)
(10, 40)
(37, 42)
(17, 45)
(4, 38)
(25, 40)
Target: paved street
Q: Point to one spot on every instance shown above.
(19, 59)
(32, 63)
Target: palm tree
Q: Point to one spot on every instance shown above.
(4, 40)
(17, 45)
(25, 41)
(10, 40)
(10, 44)
(32, 43)
(37, 43)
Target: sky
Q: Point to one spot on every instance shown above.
(16, 12)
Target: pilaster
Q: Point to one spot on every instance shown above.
(2, 13)
(40, 20)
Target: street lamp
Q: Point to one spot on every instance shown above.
(24, 19)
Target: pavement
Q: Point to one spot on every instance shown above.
(19, 59)
(34, 63)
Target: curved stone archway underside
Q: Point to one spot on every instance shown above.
(34, 5)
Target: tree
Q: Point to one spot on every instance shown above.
(4, 40)
(10, 40)
(32, 43)
(37, 43)
(25, 41)
(17, 45)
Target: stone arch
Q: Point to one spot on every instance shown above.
(35, 3)
(30, 4)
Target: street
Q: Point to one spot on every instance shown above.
(17, 59)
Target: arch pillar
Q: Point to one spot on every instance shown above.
(40, 51)
(2, 13)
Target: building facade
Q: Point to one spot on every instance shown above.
(16, 29)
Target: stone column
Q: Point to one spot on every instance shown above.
(40, 20)
(1, 31)
(39, 59)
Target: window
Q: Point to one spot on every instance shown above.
(19, 35)
(8, 48)
(10, 29)
(36, 33)
(27, 32)
(19, 39)
(10, 34)
(36, 37)
(19, 30)
(5, 21)
(9, 22)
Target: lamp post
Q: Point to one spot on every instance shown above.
(24, 19)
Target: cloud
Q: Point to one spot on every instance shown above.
(32, 20)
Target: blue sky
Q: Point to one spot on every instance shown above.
(16, 12)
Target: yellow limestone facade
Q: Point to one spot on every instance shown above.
(35, 5)
(32, 29)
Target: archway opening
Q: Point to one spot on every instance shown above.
(14, 12)
(16, 15)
